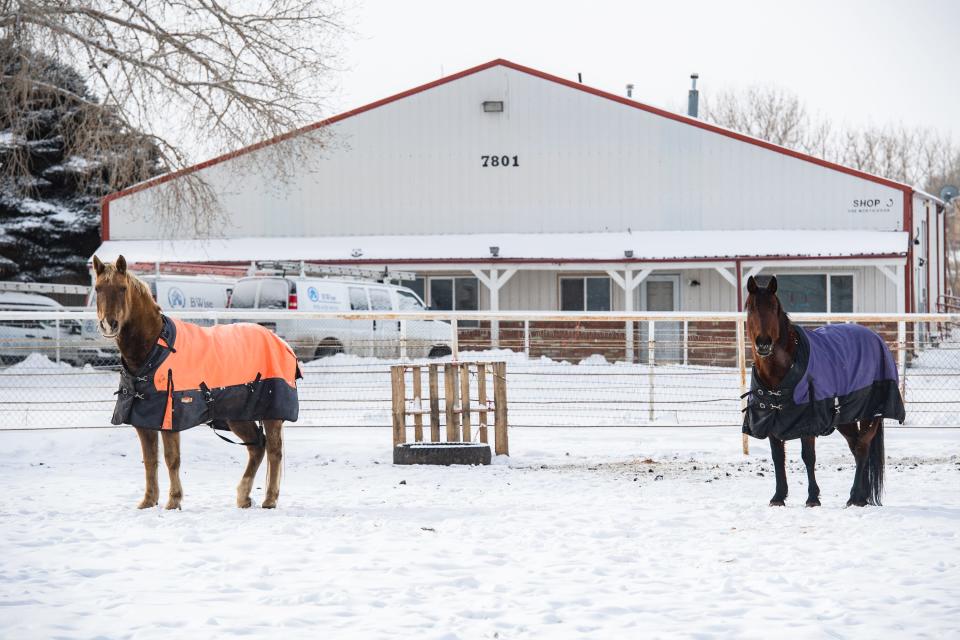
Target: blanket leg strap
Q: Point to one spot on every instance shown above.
(259, 442)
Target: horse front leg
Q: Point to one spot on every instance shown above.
(809, 454)
(171, 455)
(148, 444)
(778, 452)
(274, 430)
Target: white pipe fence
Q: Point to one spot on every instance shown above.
(564, 369)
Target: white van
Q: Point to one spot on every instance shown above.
(183, 293)
(319, 338)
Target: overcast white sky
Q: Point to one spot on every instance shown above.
(856, 62)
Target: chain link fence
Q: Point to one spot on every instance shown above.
(562, 369)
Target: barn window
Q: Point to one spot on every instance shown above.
(455, 294)
(584, 294)
(815, 292)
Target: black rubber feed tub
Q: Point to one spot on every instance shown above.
(442, 453)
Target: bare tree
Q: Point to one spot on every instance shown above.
(196, 76)
(910, 155)
(769, 113)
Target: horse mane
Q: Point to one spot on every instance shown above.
(785, 323)
(142, 288)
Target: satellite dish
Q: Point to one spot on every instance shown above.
(948, 193)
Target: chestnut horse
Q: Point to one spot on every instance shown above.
(128, 314)
(786, 405)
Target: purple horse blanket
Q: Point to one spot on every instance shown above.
(840, 374)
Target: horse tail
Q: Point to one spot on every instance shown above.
(874, 467)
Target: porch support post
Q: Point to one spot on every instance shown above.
(628, 282)
(493, 282)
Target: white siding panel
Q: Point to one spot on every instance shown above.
(713, 294)
(586, 164)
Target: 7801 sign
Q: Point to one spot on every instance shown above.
(499, 161)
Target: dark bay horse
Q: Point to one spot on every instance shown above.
(807, 383)
(177, 375)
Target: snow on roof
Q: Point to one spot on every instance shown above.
(545, 247)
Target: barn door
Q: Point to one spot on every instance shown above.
(662, 293)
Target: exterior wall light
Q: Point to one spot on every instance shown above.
(493, 106)
(628, 253)
(495, 251)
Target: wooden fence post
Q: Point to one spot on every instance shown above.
(465, 419)
(501, 444)
(451, 389)
(434, 404)
(482, 399)
(399, 404)
(742, 364)
(418, 402)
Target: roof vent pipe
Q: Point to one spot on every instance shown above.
(693, 99)
(630, 90)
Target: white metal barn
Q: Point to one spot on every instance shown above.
(507, 188)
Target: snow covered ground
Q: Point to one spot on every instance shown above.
(582, 533)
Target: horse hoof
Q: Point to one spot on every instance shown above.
(269, 504)
(171, 505)
(146, 504)
(245, 504)
(776, 503)
(856, 503)
(813, 502)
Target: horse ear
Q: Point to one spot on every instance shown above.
(121, 265)
(751, 285)
(97, 265)
(772, 285)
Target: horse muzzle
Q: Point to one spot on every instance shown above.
(109, 328)
(764, 351)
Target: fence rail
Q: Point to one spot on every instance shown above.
(569, 369)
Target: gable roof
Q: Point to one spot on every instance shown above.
(499, 62)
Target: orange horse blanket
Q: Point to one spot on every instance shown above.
(197, 375)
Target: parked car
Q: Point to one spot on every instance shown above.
(319, 338)
(172, 293)
(19, 338)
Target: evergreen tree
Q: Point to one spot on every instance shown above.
(50, 213)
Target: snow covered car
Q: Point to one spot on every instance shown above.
(23, 336)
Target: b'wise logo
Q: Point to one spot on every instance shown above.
(176, 298)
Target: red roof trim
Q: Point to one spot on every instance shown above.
(105, 209)
(548, 261)
(700, 124)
